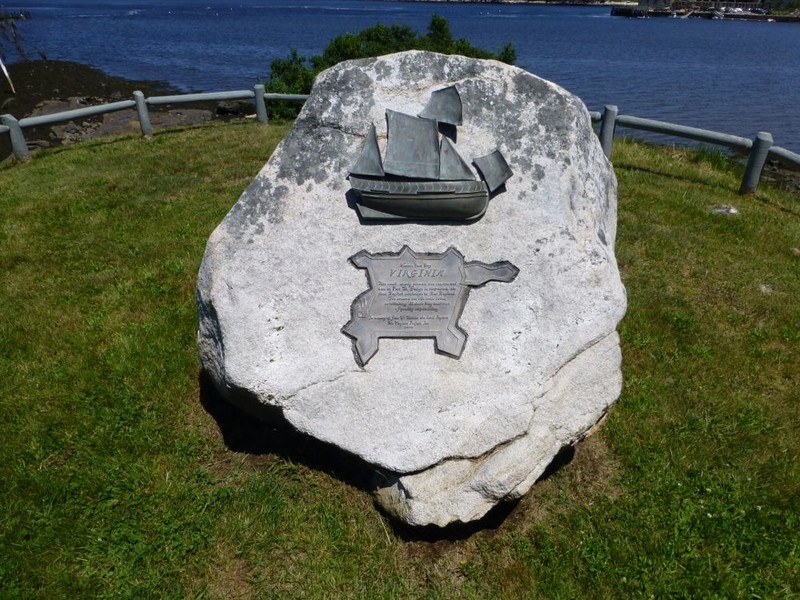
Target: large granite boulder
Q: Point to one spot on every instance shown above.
(448, 437)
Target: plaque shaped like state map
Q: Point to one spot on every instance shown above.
(416, 295)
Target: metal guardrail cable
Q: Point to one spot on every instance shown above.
(77, 113)
(786, 155)
(9, 124)
(202, 97)
(692, 133)
(760, 148)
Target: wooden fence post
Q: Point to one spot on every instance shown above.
(607, 125)
(755, 162)
(261, 107)
(143, 113)
(18, 144)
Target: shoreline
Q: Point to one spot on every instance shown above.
(50, 86)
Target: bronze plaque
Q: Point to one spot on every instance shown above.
(416, 295)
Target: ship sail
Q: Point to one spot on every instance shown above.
(412, 149)
(369, 161)
(494, 169)
(451, 166)
(444, 106)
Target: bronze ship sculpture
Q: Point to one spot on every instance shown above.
(422, 176)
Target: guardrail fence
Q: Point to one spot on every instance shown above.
(19, 146)
(759, 149)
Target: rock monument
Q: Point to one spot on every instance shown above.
(453, 352)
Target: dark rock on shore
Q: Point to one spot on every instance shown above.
(37, 81)
(49, 86)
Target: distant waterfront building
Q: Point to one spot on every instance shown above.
(701, 5)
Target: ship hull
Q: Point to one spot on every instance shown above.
(420, 200)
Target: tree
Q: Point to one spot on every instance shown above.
(295, 74)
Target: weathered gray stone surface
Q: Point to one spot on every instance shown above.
(542, 362)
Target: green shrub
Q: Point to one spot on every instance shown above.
(295, 74)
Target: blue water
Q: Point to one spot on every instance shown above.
(732, 76)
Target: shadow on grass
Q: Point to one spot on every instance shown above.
(674, 176)
(491, 521)
(271, 435)
(761, 198)
(248, 434)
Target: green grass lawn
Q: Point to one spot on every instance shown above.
(115, 480)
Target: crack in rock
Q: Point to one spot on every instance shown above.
(313, 384)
